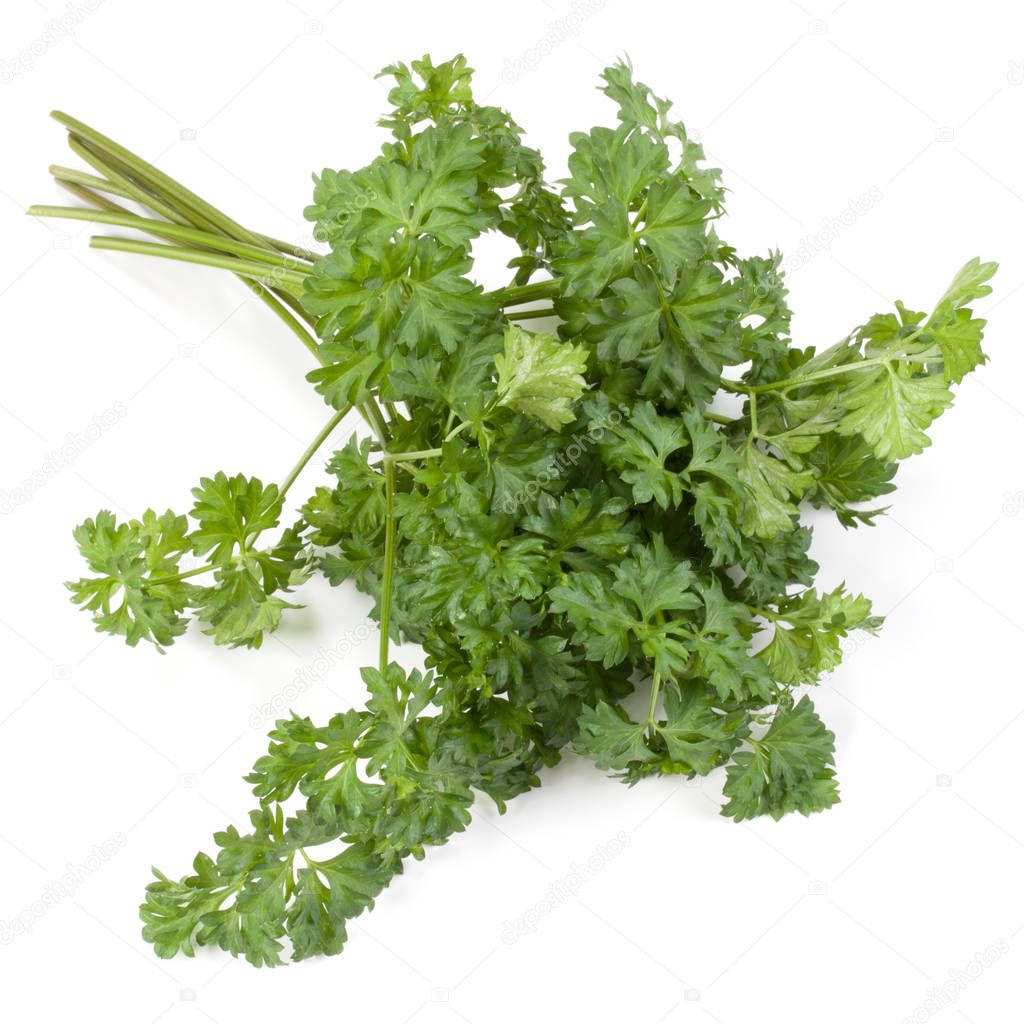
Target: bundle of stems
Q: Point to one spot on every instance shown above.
(192, 230)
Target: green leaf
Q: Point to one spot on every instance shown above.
(411, 294)
(692, 739)
(789, 769)
(674, 227)
(356, 505)
(232, 512)
(611, 740)
(679, 334)
(892, 408)
(328, 894)
(640, 447)
(809, 628)
(540, 376)
(350, 374)
(956, 332)
(127, 558)
(396, 700)
(587, 528)
(631, 613)
(848, 473)
(969, 284)
(237, 609)
(771, 490)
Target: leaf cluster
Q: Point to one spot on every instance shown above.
(560, 520)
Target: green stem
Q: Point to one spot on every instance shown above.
(375, 418)
(88, 196)
(281, 303)
(715, 417)
(147, 173)
(802, 379)
(180, 576)
(314, 446)
(290, 250)
(640, 214)
(271, 276)
(457, 430)
(652, 703)
(387, 582)
(516, 295)
(125, 184)
(178, 232)
(423, 453)
(293, 303)
(68, 177)
(273, 301)
(150, 187)
(426, 453)
(91, 181)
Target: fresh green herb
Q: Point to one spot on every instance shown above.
(557, 522)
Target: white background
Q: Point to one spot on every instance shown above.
(851, 916)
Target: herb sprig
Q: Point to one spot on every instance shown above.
(557, 520)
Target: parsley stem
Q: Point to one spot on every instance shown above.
(801, 379)
(179, 576)
(457, 430)
(282, 303)
(141, 195)
(425, 453)
(831, 371)
(129, 176)
(652, 704)
(71, 176)
(162, 187)
(516, 295)
(174, 231)
(87, 195)
(293, 303)
(715, 417)
(146, 173)
(266, 274)
(387, 582)
(315, 444)
(273, 301)
(375, 418)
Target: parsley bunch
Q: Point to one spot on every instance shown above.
(557, 521)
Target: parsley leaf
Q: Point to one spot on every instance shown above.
(540, 376)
